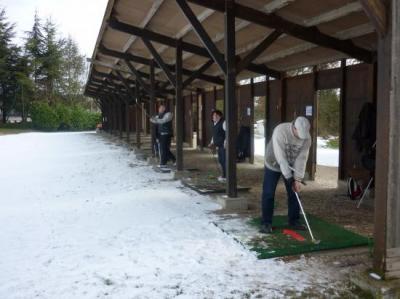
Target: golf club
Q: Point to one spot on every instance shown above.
(215, 158)
(315, 241)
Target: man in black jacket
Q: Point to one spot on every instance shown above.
(163, 121)
(218, 140)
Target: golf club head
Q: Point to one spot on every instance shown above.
(316, 242)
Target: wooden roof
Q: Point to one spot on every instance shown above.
(341, 19)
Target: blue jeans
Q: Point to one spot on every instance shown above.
(271, 179)
(222, 160)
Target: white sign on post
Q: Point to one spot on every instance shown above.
(309, 110)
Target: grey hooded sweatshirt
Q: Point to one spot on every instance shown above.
(285, 150)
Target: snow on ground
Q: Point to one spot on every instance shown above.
(325, 156)
(82, 218)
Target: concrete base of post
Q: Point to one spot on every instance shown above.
(375, 288)
(230, 203)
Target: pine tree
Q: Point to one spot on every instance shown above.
(8, 60)
(34, 48)
(73, 68)
(328, 113)
(26, 87)
(51, 62)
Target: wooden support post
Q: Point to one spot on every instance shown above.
(111, 107)
(267, 123)
(215, 97)
(127, 120)
(152, 108)
(179, 106)
(106, 115)
(283, 97)
(201, 120)
(230, 98)
(191, 127)
(387, 169)
(115, 116)
(342, 141)
(120, 117)
(314, 125)
(138, 113)
(251, 158)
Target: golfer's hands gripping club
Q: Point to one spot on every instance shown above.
(296, 186)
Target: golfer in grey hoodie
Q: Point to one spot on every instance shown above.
(286, 151)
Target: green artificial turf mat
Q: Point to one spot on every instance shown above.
(277, 244)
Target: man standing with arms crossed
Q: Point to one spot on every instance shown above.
(286, 154)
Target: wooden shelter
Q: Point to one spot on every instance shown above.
(193, 52)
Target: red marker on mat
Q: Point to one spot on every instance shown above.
(294, 235)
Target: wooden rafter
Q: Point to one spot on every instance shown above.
(310, 34)
(187, 47)
(376, 11)
(267, 42)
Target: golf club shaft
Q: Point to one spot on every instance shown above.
(215, 159)
(305, 217)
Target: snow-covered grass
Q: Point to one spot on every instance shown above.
(82, 218)
(325, 156)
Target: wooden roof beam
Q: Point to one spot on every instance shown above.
(187, 47)
(159, 61)
(272, 6)
(196, 73)
(139, 78)
(265, 44)
(159, 91)
(310, 34)
(132, 92)
(202, 35)
(376, 11)
(146, 61)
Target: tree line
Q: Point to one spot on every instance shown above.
(47, 68)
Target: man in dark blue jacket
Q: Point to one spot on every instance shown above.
(218, 140)
(163, 121)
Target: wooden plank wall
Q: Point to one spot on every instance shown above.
(132, 118)
(209, 106)
(245, 102)
(360, 89)
(188, 120)
(300, 94)
(293, 96)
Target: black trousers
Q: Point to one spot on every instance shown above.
(165, 152)
(222, 160)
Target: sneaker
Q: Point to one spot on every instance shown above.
(297, 226)
(162, 166)
(266, 229)
(221, 179)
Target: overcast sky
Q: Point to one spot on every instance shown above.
(80, 19)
